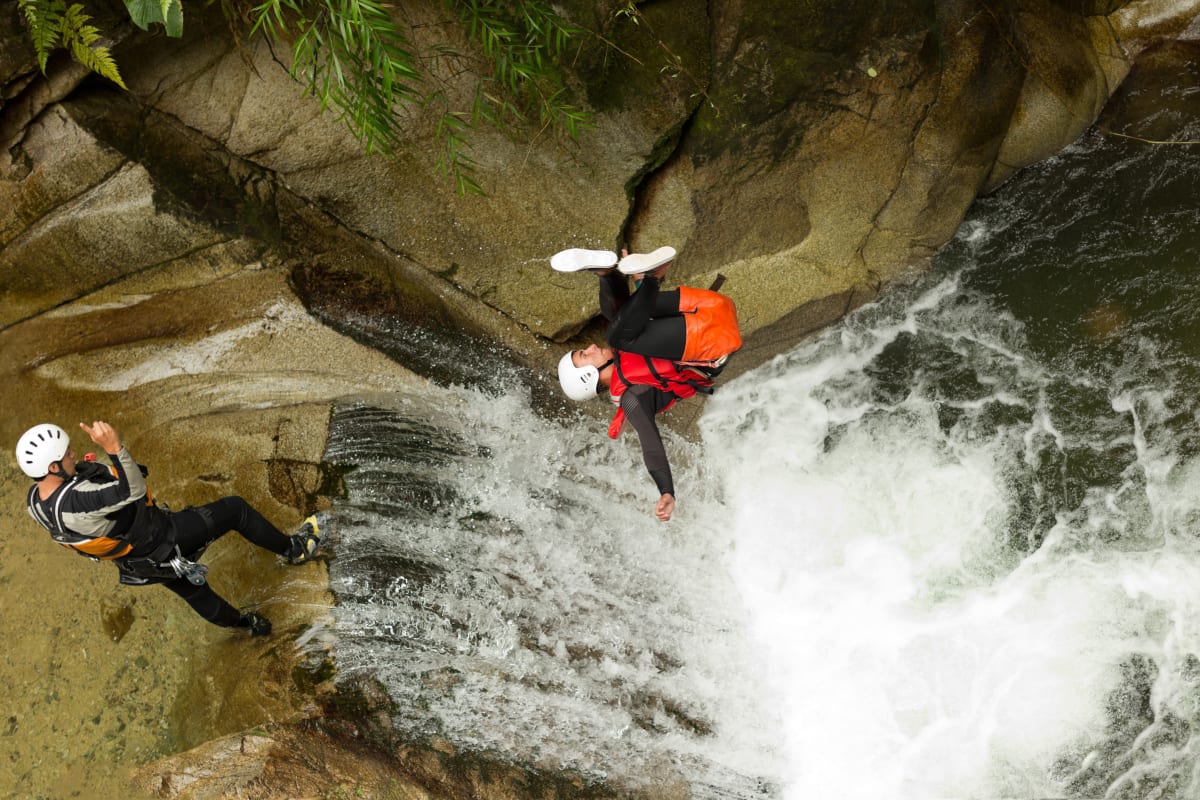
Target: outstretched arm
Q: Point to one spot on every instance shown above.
(640, 404)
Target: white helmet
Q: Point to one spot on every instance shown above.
(578, 383)
(41, 446)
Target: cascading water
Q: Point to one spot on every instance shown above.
(967, 521)
(504, 578)
(949, 549)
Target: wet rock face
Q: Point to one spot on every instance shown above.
(813, 152)
(352, 752)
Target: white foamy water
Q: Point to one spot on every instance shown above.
(925, 635)
(504, 577)
(924, 565)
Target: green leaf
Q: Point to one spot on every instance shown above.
(173, 11)
(168, 13)
(144, 13)
(44, 18)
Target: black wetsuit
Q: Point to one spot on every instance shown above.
(95, 504)
(196, 527)
(647, 323)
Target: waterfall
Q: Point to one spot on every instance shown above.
(504, 578)
(950, 548)
(967, 520)
(937, 592)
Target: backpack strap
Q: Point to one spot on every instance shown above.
(663, 383)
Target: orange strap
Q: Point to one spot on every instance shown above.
(102, 547)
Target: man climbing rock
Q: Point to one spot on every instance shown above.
(108, 514)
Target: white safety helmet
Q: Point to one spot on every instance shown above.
(578, 383)
(41, 446)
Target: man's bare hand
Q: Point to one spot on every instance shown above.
(665, 508)
(104, 435)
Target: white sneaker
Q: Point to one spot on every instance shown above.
(637, 263)
(577, 259)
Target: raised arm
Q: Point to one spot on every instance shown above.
(129, 485)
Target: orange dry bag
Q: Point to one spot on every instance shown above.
(712, 326)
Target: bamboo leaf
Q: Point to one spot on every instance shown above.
(353, 57)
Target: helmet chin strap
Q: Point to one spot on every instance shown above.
(600, 369)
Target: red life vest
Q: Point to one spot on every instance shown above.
(631, 369)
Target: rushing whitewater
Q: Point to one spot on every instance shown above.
(967, 521)
(948, 549)
(505, 579)
(922, 606)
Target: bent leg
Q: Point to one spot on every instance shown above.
(199, 526)
(650, 324)
(207, 603)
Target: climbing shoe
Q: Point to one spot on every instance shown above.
(256, 624)
(306, 542)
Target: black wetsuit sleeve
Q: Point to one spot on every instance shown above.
(641, 404)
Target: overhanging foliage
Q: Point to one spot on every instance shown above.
(355, 58)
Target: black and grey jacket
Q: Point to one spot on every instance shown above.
(104, 514)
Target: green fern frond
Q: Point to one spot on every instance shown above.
(80, 38)
(44, 18)
(54, 25)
